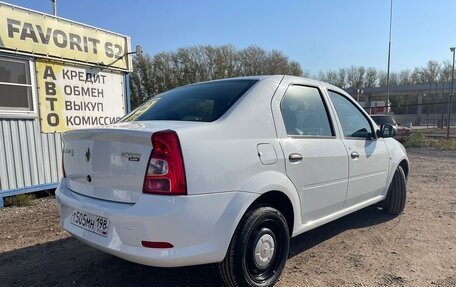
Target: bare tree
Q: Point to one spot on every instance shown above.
(252, 61)
(405, 77)
(445, 72)
(371, 78)
(296, 70)
(360, 77)
(356, 76)
(430, 72)
(140, 86)
(416, 76)
(341, 79)
(382, 78)
(394, 79)
(329, 76)
(166, 70)
(275, 63)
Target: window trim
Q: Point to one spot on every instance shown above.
(17, 112)
(362, 111)
(326, 107)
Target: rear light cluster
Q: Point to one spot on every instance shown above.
(63, 163)
(165, 172)
(63, 169)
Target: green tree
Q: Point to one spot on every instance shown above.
(167, 70)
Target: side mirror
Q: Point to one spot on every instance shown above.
(386, 131)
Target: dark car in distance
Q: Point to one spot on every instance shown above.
(401, 132)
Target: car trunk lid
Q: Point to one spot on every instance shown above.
(110, 163)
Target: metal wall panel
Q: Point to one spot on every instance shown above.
(27, 157)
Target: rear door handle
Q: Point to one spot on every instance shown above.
(295, 157)
(354, 155)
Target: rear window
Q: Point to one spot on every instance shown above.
(205, 102)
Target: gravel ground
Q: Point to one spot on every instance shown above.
(367, 248)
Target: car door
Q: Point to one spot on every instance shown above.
(368, 155)
(316, 158)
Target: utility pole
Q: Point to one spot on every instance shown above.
(389, 63)
(54, 7)
(451, 96)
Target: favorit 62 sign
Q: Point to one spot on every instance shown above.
(73, 97)
(50, 36)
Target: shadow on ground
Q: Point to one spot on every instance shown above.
(68, 262)
(366, 217)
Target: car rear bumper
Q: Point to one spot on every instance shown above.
(199, 227)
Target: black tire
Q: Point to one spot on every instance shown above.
(240, 268)
(394, 202)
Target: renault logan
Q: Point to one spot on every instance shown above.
(226, 172)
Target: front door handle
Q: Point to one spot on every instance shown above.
(295, 157)
(354, 155)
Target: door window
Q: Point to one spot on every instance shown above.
(304, 112)
(354, 123)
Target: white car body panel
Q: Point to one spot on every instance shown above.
(321, 177)
(229, 163)
(369, 172)
(397, 154)
(199, 226)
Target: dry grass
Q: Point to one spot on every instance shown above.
(419, 139)
(19, 200)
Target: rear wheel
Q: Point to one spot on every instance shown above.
(395, 199)
(258, 250)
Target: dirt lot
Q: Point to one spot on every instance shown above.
(367, 248)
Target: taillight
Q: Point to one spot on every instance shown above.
(63, 168)
(165, 172)
(63, 164)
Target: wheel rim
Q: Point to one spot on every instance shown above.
(264, 251)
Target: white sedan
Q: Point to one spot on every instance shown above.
(227, 171)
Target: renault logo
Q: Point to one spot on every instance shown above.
(88, 154)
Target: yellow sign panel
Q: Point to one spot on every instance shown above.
(33, 32)
(73, 97)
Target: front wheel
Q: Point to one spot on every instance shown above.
(258, 250)
(394, 202)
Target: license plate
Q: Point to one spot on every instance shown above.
(93, 223)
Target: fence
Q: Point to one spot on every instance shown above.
(432, 116)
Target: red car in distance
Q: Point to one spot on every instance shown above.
(401, 132)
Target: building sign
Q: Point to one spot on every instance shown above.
(32, 32)
(73, 97)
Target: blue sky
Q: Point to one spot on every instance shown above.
(320, 35)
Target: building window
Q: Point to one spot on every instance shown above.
(15, 85)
